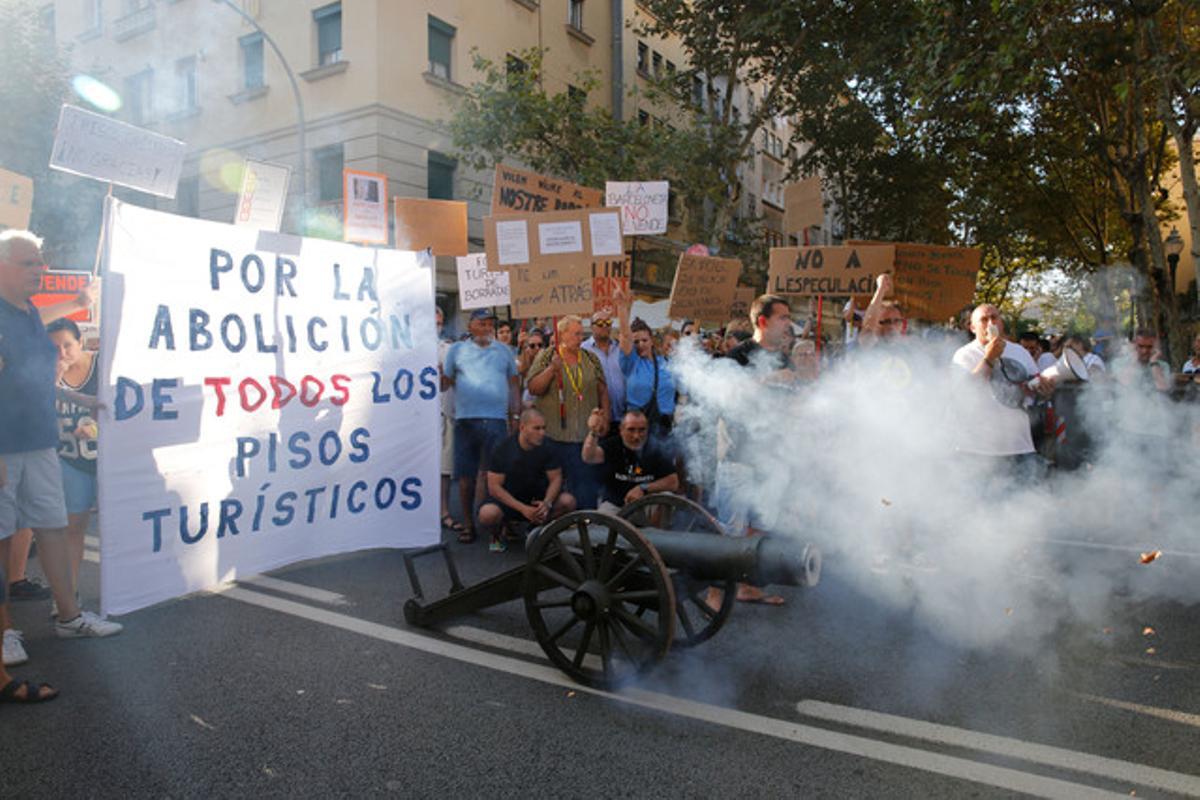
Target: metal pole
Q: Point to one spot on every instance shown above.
(300, 126)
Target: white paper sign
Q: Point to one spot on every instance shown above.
(560, 237)
(16, 200)
(606, 234)
(365, 217)
(106, 149)
(259, 408)
(479, 287)
(264, 193)
(643, 205)
(512, 242)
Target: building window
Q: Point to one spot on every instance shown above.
(575, 14)
(658, 65)
(514, 68)
(643, 118)
(186, 95)
(252, 61)
(330, 161)
(329, 34)
(671, 70)
(441, 38)
(576, 95)
(441, 176)
(139, 96)
(643, 62)
(187, 198)
(698, 91)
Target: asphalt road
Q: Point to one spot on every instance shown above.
(312, 685)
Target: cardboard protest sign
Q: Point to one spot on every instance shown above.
(16, 200)
(364, 207)
(934, 282)
(100, 147)
(803, 204)
(704, 287)
(437, 224)
(643, 205)
(61, 285)
(519, 191)
(743, 297)
(608, 278)
(259, 408)
(479, 287)
(263, 195)
(839, 271)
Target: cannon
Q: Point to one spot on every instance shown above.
(607, 596)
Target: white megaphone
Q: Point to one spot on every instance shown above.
(1068, 369)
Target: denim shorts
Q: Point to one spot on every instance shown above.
(79, 488)
(474, 440)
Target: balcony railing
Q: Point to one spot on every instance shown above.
(134, 22)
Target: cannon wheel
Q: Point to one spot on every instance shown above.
(697, 621)
(599, 598)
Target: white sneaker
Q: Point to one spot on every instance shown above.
(87, 624)
(14, 649)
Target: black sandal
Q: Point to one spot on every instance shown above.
(451, 523)
(33, 694)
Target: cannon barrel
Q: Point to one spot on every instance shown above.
(760, 560)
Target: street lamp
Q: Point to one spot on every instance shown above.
(303, 170)
(1173, 246)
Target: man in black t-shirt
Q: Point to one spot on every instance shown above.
(524, 481)
(632, 467)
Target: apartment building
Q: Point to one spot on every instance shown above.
(374, 79)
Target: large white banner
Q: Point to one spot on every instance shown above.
(260, 408)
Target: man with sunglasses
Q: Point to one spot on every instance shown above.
(601, 345)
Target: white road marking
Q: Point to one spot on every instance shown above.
(296, 589)
(1150, 711)
(1122, 771)
(951, 766)
(500, 641)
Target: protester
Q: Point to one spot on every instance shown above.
(1038, 349)
(484, 377)
(883, 320)
(1192, 365)
(601, 345)
(804, 361)
(524, 481)
(737, 472)
(688, 328)
(33, 493)
(1082, 346)
(504, 336)
(533, 343)
(447, 423)
(78, 385)
(996, 433)
(670, 340)
(567, 382)
(737, 331)
(649, 384)
(634, 465)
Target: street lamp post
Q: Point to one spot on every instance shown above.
(302, 172)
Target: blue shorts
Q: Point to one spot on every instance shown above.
(79, 488)
(474, 440)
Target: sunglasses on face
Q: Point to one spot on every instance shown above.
(602, 324)
(534, 346)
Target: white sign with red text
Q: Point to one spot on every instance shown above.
(259, 408)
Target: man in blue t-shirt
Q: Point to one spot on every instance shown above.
(32, 497)
(484, 376)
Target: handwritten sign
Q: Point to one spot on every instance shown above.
(517, 190)
(437, 224)
(16, 200)
(60, 285)
(934, 282)
(643, 205)
(742, 299)
(838, 271)
(100, 147)
(608, 277)
(479, 287)
(263, 408)
(550, 290)
(803, 205)
(263, 195)
(704, 287)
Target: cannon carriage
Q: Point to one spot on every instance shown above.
(607, 596)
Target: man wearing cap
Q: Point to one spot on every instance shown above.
(484, 377)
(601, 345)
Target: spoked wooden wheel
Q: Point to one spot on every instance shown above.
(697, 620)
(598, 598)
